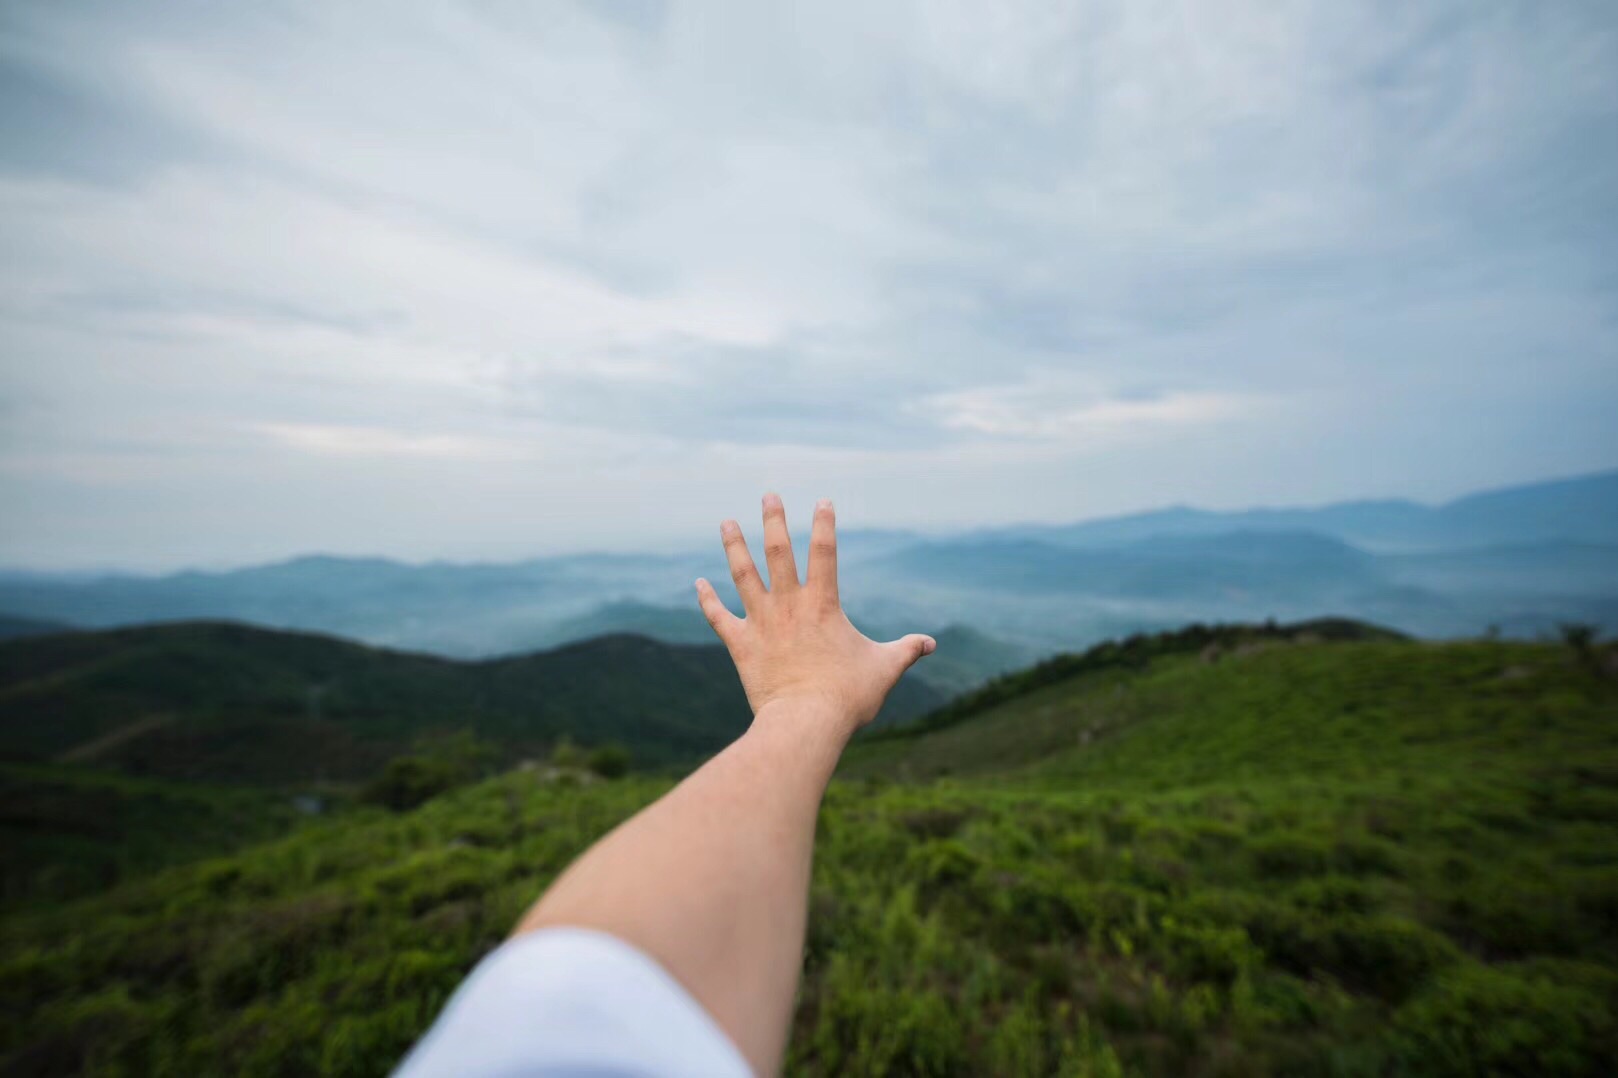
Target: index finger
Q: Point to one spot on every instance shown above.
(823, 552)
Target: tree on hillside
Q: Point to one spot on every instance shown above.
(610, 761)
(437, 765)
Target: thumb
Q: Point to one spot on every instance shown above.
(906, 650)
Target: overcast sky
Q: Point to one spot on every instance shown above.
(482, 280)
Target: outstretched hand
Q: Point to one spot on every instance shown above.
(795, 645)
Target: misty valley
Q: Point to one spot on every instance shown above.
(1518, 562)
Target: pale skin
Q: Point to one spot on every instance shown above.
(712, 879)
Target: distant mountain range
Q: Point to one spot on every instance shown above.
(1521, 559)
(1578, 509)
(231, 703)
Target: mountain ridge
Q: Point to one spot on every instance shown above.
(1039, 586)
(1498, 515)
(244, 703)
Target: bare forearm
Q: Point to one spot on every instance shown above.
(712, 880)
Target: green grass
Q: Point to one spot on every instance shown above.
(1306, 858)
(69, 831)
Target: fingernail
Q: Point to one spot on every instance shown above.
(728, 527)
(772, 501)
(699, 583)
(928, 646)
(823, 504)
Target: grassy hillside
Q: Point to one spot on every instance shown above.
(1284, 856)
(226, 702)
(70, 830)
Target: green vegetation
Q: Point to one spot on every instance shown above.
(1135, 652)
(67, 831)
(440, 764)
(222, 702)
(1268, 853)
(609, 761)
(234, 703)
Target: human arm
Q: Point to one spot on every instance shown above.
(712, 880)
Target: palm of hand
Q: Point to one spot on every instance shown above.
(795, 644)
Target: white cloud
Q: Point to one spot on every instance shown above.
(335, 441)
(1049, 408)
(715, 246)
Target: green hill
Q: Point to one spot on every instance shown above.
(223, 702)
(68, 830)
(1273, 854)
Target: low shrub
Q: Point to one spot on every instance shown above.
(940, 863)
(1388, 956)
(1480, 1020)
(609, 761)
(1289, 855)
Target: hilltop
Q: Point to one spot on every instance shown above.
(1280, 852)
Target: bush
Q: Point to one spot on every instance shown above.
(871, 1029)
(1506, 919)
(609, 761)
(271, 945)
(1203, 953)
(1332, 895)
(1579, 638)
(1478, 1020)
(1388, 956)
(438, 765)
(1018, 1043)
(1037, 907)
(566, 754)
(940, 863)
(935, 822)
(409, 781)
(1289, 855)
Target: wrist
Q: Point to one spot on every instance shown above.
(817, 719)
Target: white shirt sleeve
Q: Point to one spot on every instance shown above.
(571, 1003)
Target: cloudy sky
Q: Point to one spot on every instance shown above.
(481, 280)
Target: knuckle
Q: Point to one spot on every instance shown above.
(823, 548)
(743, 574)
(777, 550)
